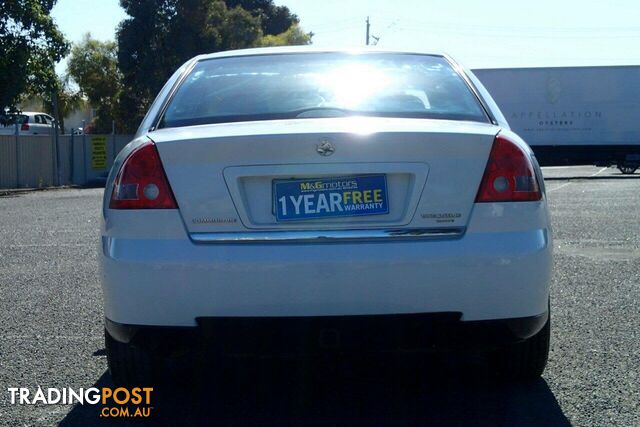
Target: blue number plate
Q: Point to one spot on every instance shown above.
(297, 199)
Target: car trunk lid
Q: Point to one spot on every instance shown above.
(224, 175)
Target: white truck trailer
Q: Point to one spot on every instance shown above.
(572, 115)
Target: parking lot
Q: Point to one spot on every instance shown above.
(51, 331)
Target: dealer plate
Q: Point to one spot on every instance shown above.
(343, 196)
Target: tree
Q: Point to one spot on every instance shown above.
(293, 36)
(31, 44)
(160, 35)
(69, 100)
(93, 65)
(274, 19)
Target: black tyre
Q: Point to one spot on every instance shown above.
(129, 365)
(525, 360)
(627, 170)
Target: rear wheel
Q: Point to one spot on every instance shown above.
(129, 365)
(525, 360)
(627, 170)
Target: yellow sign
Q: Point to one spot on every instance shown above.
(99, 152)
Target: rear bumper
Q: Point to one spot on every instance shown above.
(484, 276)
(154, 274)
(299, 335)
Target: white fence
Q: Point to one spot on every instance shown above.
(35, 161)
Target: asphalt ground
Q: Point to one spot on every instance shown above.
(51, 332)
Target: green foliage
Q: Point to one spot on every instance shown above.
(93, 65)
(69, 101)
(160, 35)
(274, 19)
(293, 36)
(30, 45)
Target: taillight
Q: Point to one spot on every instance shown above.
(141, 182)
(25, 126)
(509, 175)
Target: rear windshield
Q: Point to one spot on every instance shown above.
(271, 87)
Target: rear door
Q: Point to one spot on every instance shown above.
(46, 124)
(35, 124)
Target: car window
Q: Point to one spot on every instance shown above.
(37, 119)
(268, 87)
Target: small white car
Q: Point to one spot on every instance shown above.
(295, 199)
(29, 123)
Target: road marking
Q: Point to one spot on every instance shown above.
(598, 173)
(571, 182)
(558, 187)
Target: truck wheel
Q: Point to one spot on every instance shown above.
(627, 170)
(525, 361)
(129, 365)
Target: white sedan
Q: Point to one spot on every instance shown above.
(292, 199)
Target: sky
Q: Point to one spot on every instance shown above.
(479, 34)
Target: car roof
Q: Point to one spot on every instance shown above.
(33, 113)
(309, 49)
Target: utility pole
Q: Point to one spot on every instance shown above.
(368, 25)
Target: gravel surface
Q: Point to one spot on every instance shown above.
(51, 332)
